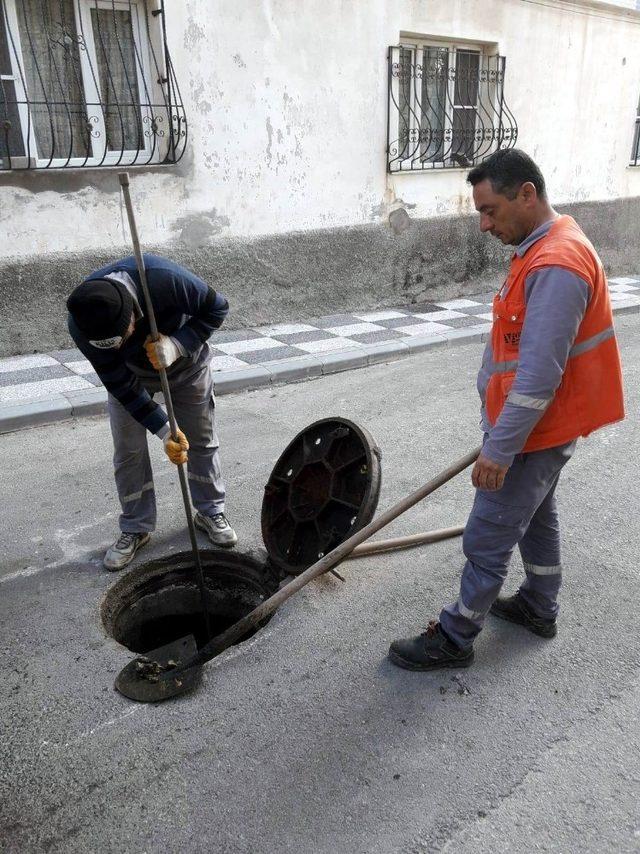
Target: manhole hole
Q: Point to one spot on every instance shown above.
(159, 602)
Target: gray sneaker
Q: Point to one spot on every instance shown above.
(123, 550)
(217, 529)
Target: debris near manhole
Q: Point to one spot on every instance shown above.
(163, 676)
(463, 688)
(151, 669)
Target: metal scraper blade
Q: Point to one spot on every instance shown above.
(158, 675)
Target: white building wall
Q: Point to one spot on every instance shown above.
(287, 102)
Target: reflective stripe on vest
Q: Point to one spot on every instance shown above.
(592, 342)
(576, 350)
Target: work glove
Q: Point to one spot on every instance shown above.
(176, 451)
(161, 353)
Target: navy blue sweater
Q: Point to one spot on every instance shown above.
(186, 308)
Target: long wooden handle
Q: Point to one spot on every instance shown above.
(396, 543)
(237, 630)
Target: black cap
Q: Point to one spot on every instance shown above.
(101, 308)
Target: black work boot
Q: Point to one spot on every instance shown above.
(515, 610)
(429, 651)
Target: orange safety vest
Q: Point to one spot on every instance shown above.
(590, 394)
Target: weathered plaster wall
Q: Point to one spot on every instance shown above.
(286, 101)
(307, 274)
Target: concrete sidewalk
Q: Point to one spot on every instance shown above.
(44, 388)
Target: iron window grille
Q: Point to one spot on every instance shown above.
(446, 107)
(635, 148)
(87, 83)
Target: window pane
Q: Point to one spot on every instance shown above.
(117, 71)
(404, 102)
(5, 61)
(467, 68)
(635, 150)
(435, 76)
(10, 133)
(463, 142)
(52, 69)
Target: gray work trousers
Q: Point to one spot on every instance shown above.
(523, 513)
(194, 404)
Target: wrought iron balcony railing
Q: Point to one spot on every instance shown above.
(446, 108)
(87, 83)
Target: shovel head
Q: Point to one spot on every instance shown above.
(158, 675)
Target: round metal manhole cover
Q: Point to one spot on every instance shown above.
(324, 487)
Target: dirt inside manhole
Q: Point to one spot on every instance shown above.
(159, 602)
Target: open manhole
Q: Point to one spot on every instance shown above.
(323, 488)
(159, 601)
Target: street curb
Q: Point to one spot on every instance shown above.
(333, 363)
(87, 401)
(75, 404)
(387, 352)
(241, 379)
(292, 370)
(34, 413)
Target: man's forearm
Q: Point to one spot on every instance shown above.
(138, 403)
(510, 434)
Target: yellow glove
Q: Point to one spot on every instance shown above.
(176, 451)
(161, 353)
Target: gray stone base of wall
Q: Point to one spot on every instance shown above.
(308, 274)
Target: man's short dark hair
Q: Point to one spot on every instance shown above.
(507, 170)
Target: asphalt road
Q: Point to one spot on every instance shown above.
(306, 739)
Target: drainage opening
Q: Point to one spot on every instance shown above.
(159, 602)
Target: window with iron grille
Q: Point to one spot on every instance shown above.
(635, 148)
(446, 107)
(87, 83)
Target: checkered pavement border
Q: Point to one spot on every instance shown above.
(39, 376)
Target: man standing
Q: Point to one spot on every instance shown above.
(550, 374)
(108, 322)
